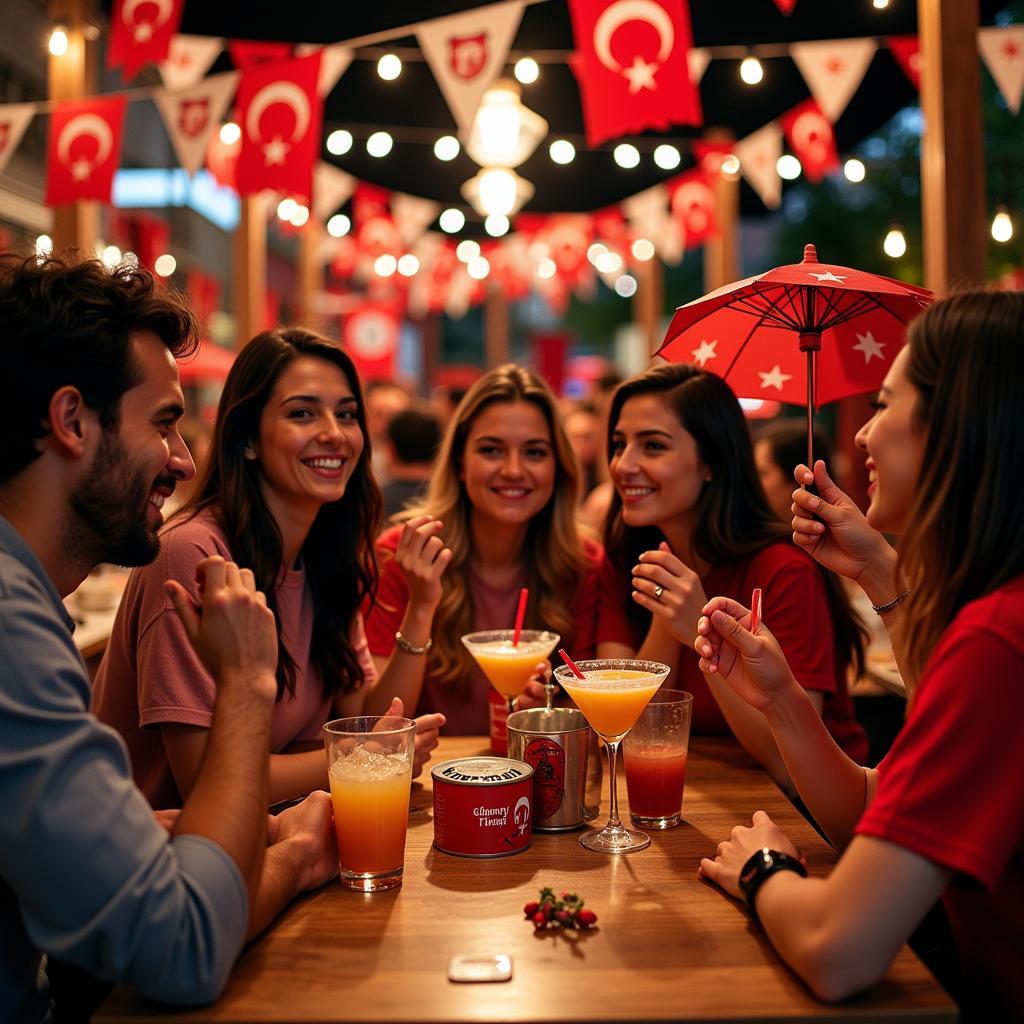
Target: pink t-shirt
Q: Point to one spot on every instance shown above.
(466, 706)
(150, 673)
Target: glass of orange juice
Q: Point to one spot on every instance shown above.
(612, 694)
(369, 765)
(508, 665)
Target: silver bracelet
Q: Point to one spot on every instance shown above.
(881, 609)
(410, 648)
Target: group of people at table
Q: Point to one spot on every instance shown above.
(135, 841)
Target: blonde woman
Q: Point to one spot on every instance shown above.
(499, 515)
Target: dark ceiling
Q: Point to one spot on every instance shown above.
(413, 107)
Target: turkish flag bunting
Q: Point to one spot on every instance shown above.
(786, 6)
(812, 139)
(370, 336)
(141, 31)
(246, 54)
(907, 52)
(280, 114)
(693, 204)
(631, 63)
(711, 154)
(1002, 49)
(84, 149)
(14, 119)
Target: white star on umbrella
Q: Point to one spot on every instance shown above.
(866, 343)
(705, 352)
(275, 151)
(774, 378)
(829, 276)
(640, 75)
(81, 169)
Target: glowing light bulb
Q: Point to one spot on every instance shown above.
(385, 265)
(468, 249)
(165, 265)
(526, 70)
(854, 170)
(751, 70)
(562, 151)
(642, 249)
(625, 286)
(496, 225)
(895, 244)
(389, 67)
(667, 157)
(447, 148)
(1002, 226)
(478, 268)
(408, 265)
(339, 142)
(452, 220)
(58, 44)
(379, 144)
(788, 167)
(339, 226)
(625, 155)
(230, 133)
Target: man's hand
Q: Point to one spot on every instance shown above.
(308, 828)
(233, 630)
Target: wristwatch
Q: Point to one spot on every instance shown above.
(760, 867)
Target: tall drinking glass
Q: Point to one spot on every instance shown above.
(508, 665)
(611, 695)
(369, 764)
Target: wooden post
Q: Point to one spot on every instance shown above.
(70, 77)
(952, 151)
(721, 266)
(430, 327)
(309, 275)
(648, 300)
(250, 269)
(495, 327)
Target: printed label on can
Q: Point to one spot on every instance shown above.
(548, 760)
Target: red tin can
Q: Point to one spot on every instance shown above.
(483, 806)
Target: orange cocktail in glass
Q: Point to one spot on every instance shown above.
(612, 694)
(509, 665)
(369, 766)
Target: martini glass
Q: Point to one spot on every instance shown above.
(612, 695)
(509, 666)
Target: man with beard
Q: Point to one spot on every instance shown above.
(89, 407)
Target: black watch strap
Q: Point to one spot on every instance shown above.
(760, 867)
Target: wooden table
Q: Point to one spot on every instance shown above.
(668, 947)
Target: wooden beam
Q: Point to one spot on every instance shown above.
(952, 149)
(250, 269)
(496, 344)
(70, 77)
(721, 262)
(648, 300)
(309, 275)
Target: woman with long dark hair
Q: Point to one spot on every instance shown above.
(943, 814)
(689, 517)
(288, 494)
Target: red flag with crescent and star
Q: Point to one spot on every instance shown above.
(694, 205)
(280, 112)
(141, 31)
(631, 64)
(84, 149)
(812, 139)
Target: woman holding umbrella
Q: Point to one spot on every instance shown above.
(943, 815)
(688, 518)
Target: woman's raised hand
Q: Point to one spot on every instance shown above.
(535, 694)
(751, 663)
(832, 529)
(670, 591)
(423, 558)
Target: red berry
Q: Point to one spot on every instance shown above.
(562, 915)
(531, 908)
(585, 918)
(566, 895)
(539, 920)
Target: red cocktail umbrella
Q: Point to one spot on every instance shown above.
(846, 325)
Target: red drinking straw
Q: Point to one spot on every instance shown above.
(520, 614)
(572, 664)
(755, 609)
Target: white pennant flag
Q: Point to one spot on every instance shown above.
(833, 70)
(192, 115)
(412, 215)
(334, 62)
(331, 187)
(758, 155)
(467, 51)
(1003, 52)
(697, 60)
(188, 59)
(648, 212)
(14, 119)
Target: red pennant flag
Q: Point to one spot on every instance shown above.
(279, 111)
(141, 31)
(786, 6)
(84, 149)
(246, 54)
(631, 63)
(711, 154)
(812, 139)
(693, 204)
(907, 51)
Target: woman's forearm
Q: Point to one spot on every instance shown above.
(402, 675)
(295, 775)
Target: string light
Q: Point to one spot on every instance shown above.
(385, 265)
(478, 268)
(44, 245)
(625, 286)
(165, 265)
(751, 70)
(286, 208)
(339, 142)
(496, 225)
(299, 216)
(339, 226)
(447, 148)
(854, 170)
(595, 250)
(408, 265)
(608, 263)
(58, 44)
(562, 151)
(467, 250)
(895, 244)
(230, 133)
(642, 249)
(526, 70)
(546, 268)
(626, 156)
(389, 67)
(667, 157)
(1002, 226)
(379, 144)
(731, 166)
(788, 167)
(111, 256)
(880, 5)
(452, 221)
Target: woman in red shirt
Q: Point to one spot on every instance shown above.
(943, 814)
(688, 518)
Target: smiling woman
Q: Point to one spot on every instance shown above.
(289, 495)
